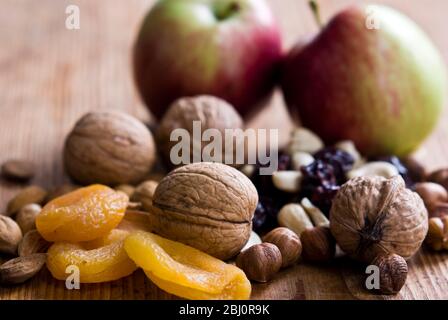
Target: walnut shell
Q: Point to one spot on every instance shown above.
(373, 216)
(209, 206)
(212, 112)
(109, 148)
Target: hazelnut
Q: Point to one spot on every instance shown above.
(439, 176)
(10, 235)
(318, 244)
(416, 170)
(432, 194)
(26, 217)
(212, 112)
(110, 148)
(437, 237)
(372, 216)
(18, 170)
(440, 210)
(260, 262)
(31, 194)
(287, 242)
(393, 273)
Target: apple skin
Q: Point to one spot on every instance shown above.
(227, 48)
(383, 88)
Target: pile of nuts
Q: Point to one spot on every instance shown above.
(21, 246)
(311, 177)
(435, 196)
(322, 202)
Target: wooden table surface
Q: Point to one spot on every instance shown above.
(50, 76)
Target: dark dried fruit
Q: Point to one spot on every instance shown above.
(318, 173)
(319, 184)
(271, 198)
(265, 216)
(284, 162)
(340, 160)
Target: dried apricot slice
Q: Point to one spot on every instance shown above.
(100, 260)
(82, 215)
(185, 271)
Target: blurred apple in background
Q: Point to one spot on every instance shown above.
(380, 83)
(227, 48)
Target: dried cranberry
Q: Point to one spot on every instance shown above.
(321, 196)
(284, 162)
(264, 184)
(341, 161)
(265, 216)
(259, 217)
(318, 173)
(319, 184)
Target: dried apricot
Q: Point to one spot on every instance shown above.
(100, 260)
(185, 271)
(82, 215)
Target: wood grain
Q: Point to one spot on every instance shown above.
(49, 76)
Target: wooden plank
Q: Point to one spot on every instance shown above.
(49, 76)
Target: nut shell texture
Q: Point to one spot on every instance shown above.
(393, 273)
(208, 206)
(213, 113)
(373, 216)
(109, 148)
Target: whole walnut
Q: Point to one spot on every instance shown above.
(208, 206)
(374, 216)
(109, 148)
(212, 112)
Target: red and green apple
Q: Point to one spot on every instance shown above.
(227, 48)
(379, 83)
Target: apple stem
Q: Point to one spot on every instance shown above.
(316, 13)
(224, 12)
